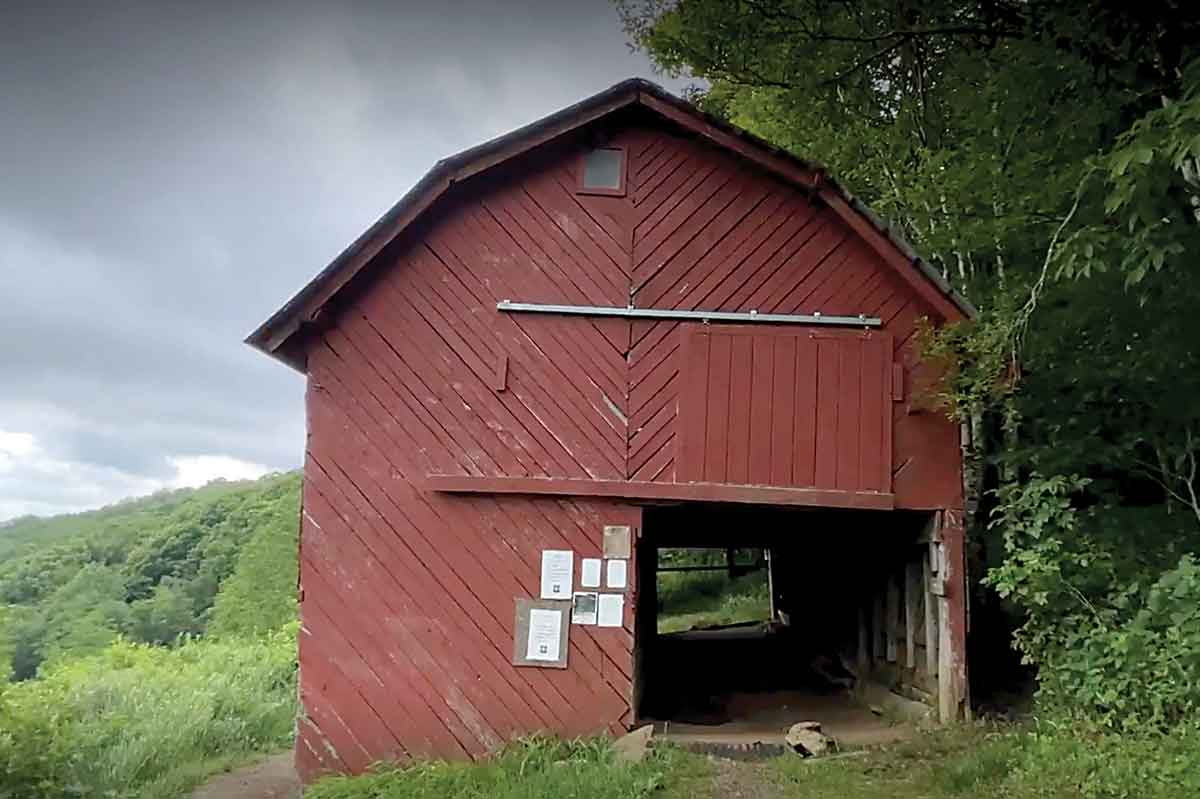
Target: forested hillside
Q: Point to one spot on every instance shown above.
(150, 570)
(148, 643)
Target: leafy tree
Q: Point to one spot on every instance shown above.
(1045, 157)
(149, 570)
(260, 595)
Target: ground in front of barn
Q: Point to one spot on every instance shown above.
(966, 761)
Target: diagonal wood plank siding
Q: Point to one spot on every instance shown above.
(408, 593)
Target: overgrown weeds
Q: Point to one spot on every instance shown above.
(534, 768)
(138, 720)
(1048, 761)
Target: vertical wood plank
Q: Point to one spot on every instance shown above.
(762, 387)
(849, 413)
(946, 703)
(716, 439)
(692, 405)
(890, 409)
(879, 650)
(893, 615)
(783, 411)
(912, 592)
(828, 393)
(805, 431)
(741, 393)
(870, 443)
(931, 621)
(864, 643)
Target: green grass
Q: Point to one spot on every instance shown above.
(689, 600)
(982, 762)
(141, 721)
(536, 768)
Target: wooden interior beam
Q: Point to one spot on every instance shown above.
(685, 492)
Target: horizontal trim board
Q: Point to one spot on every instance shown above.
(634, 490)
(702, 316)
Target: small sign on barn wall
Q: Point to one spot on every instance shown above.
(589, 576)
(540, 633)
(611, 610)
(616, 573)
(618, 541)
(585, 608)
(558, 566)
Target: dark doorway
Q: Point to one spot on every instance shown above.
(757, 613)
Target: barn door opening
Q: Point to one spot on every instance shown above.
(796, 614)
(786, 406)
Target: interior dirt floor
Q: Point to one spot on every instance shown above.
(764, 719)
(755, 683)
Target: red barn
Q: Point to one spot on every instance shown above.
(624, 327)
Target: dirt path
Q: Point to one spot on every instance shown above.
(273, 778)
(742, 780)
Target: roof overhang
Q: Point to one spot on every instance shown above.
(278, 335)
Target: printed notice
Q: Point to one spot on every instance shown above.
(557, 567)
(589, 573)
(584, 611)
(611, 610)
(545, 629)
(617, 573)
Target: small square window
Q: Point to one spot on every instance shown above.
(604, 170)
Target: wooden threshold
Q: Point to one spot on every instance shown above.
(693, 492)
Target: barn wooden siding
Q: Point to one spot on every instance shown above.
(407, 599)
(786, 406)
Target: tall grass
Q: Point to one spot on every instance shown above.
(138, 720)
(536, 768)
(1047, 761)
(690, 600)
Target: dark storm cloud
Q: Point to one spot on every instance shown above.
(171, 172)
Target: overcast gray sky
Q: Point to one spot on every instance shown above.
(170, 173)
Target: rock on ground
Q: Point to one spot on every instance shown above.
(631, 747)
(808, 740)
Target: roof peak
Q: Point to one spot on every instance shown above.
(277, 335)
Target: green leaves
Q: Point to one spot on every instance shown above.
(151, 570)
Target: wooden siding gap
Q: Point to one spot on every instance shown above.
(710, 240)
(425, 359)
(477, 610)
(744, 294)
(398, 681)
(581, 282)
(543, 450)
(707, 181)
(601, 457)
(698, 217)
(717, 264)
(439, 600)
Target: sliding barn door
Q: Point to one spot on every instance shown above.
(791, 406)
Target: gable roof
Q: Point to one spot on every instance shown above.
(274, 335)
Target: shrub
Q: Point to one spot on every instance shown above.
(111, 724)
(1112, 620)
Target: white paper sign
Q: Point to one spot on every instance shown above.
(617, 573)
(589, 573)
(557, 568)
(584, 610)
(611, 610)
(545, 629)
